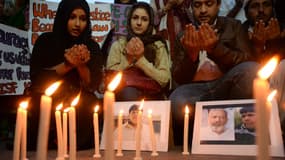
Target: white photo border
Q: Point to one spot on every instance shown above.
(160, 109)
(276, 147)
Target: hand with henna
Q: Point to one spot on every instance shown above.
(273, 29)
(258, 36)
(191, 41)
(77, 55)
(208, 37)
(134, 49)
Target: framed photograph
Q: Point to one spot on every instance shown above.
(228, 128)
(160, 118)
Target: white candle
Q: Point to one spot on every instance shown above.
(109, 100)
(152, 136)
(17, 136)
(18, 131)
(45, 110)
(24, 131)
(59, 133)
(261, 92)
(120, 127)
(96, 132)
(138, 133)
(64, 132)
(186, 128)
(72, 129)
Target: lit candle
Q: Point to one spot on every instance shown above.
(59, 133)
(17, 136)
(24, 106)
(120, 127)
(19, 131)
(153, 140)
(72, 129)
(45, 110)
(96, 132)
(186, 127)
(138, 133)
(64, 132)
(270, 101)
(109, 99)
(261, 92)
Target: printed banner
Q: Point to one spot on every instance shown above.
(14, 61)
(119, 18)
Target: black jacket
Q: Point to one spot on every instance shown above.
(232, 48)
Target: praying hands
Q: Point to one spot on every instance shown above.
(134, 49)
(77, 55)
(262, 33)
(203, 38)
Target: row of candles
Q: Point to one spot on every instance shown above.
(61, 127)
(261, 92)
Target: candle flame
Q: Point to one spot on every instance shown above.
(141, 105)
(52, 88)
(96, 108)
(75, 100)
(66, 110)
(115, 82)
(121, 111)
(58, 107)
(187, 110)
(267, 70)
(24, 104)
(271, 95)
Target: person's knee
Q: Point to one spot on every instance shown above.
(248, 66)
(178, 103)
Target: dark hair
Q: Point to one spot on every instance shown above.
(246, 7)
(149, 11)
(130, 2)
(63, 12)
(134, 107)
(246, 109)
(218, 2)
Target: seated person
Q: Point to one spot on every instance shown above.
(68, 54)
(142, 51)
(265, 33)
(264, 30)
(210, 62)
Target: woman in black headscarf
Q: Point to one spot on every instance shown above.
(141, 50)
(68, 54)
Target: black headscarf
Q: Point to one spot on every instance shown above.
(130, 2)
(63, 13)
(147, 37)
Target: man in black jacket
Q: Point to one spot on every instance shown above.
(208, 63)
(267, 36)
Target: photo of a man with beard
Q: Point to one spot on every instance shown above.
(217, 128)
